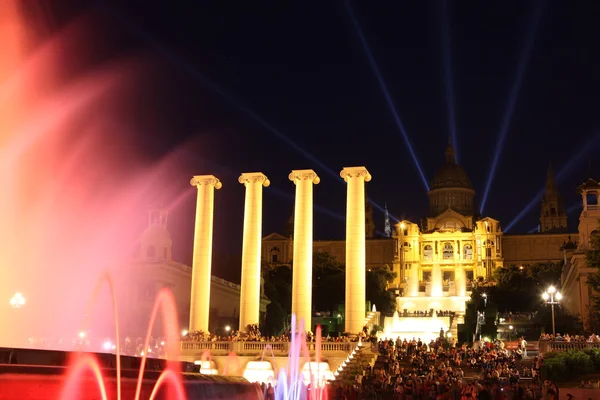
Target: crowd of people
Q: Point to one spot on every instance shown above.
(593, 338)
(440, 370)
(253, 334)
(517, 316)
(428, 313)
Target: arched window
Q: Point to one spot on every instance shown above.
(592, 198)
(150, 252)
(428, 253)
(593, 234)
(468, 252)
(448, 252)
(274, 254)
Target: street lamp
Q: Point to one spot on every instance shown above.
(552, 296)
(484, 299)
(17, 301)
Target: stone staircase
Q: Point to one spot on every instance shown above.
(356, 364)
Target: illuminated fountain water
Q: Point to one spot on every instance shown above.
(414, 327)
(71, 181)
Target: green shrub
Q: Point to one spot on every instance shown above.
(569, 364)
(554, 368)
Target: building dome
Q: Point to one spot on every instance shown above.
(451, 175)
(451, 188)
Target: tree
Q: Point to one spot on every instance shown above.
(592, 260)
(329, 282)
(278, 288)
(519, 289)
(377, 283)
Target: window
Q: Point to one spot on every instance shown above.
(448, 252)
(150, 252)
(426, 276)
(592, 198)
(274, 254)
(428, 253)
(469, 274)
(165, 253)
(553, 211)
(468, 252)
(448, 276)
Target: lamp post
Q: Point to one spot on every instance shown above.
(552, 296)
(484, 299)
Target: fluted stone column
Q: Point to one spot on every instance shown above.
(303, 245)
(251, 243)
(436, 281)
(460, 281)
(202, 257)
(413, 281)
(355, 177)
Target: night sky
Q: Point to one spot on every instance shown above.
(271, 86)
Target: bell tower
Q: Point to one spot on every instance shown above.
(156, 241)
(553, 214)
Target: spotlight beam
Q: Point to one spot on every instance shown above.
(512, 100)
(384, 90)
(203, 80)
(585, 147)
(448, 75)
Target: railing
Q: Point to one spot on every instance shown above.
(546, 346)
(278, 348)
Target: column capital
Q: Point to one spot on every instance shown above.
(304, 175)
(355, 172)
(252, 177)
(204, 180)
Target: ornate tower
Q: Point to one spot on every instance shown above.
(388, 227)
(156, 241)
(369, 221)
(590, 215)
(554, 214)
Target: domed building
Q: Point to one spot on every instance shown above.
(438, 259)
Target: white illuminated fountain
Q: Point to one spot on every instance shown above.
(409, 327)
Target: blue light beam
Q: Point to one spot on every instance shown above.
(203, 80)
(512, 100)
(448, 75)
(385, 91)
(587, 146)
(575, 207)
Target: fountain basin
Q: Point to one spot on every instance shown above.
(29, 374)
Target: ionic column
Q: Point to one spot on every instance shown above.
(413, 281)
(251, 243)
(436, 281)
(355, 247)
(303, 245)
(202, 257)
(460, 281)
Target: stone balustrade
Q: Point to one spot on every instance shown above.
(546, 346)
(255, 348)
